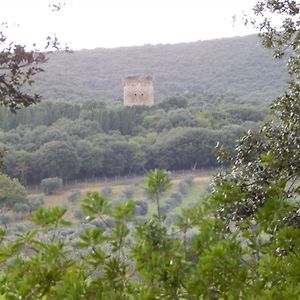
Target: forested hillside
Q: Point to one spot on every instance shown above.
(238, 66)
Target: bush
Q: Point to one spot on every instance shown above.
(141, 208)
(174, 201)
(18, 217)
(176, 198)
(109, 222)
(129, 192)
(105, 222)
(12, 192)
(189, 180)
(51, 185)
(5, 219)
(78, 213)
(170, 219)
(140, 220)
(106, 191)
(74, 195)
(183, 188)
(166, 208)
(35, 201)
(21, 208)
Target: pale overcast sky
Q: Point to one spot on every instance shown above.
(114, 23)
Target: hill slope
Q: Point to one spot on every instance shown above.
(233, 65)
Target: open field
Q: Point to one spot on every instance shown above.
(135, 186)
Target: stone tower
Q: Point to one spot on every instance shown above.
(138, 90)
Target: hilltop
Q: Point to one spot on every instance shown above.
(239, 66)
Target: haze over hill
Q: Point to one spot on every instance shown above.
(239, 66)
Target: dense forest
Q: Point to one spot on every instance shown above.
(95, 139)
(238, 66)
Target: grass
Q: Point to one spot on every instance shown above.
(119, 185)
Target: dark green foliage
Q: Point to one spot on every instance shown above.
(11, 192)
(185, 148)
(233, 65)
(91, 140)
(57, 158)
(51, 185)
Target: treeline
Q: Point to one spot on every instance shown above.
(94, 139)
(230, 65)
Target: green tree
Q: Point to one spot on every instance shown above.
(57, 158)
(51, 185)
(11, 192)
(17, 164)
(158, 181)
(18, 68)
(90, 159)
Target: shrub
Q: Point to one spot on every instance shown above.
(183, 188)
(38, 198)
(35, 201)
(129, 192)
(106, 191)
(21, 208)
(78, 213)
(109, 222)
(5, 219)
(18, 217)
(141, 208)
(74, 195)
(12, 192)
(51, 185)
(170, 219)
(165, 208)
(140, 220)
(105, 222)
(174, 201)
(189, 180)
(176, 198)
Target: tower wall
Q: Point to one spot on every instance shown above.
(138, 90)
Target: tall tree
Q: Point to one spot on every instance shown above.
(158, 181)
(271, 156)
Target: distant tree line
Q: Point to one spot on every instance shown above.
(73, 140)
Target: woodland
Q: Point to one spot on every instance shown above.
(240, 241)
(80, 141)
(236, 66)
